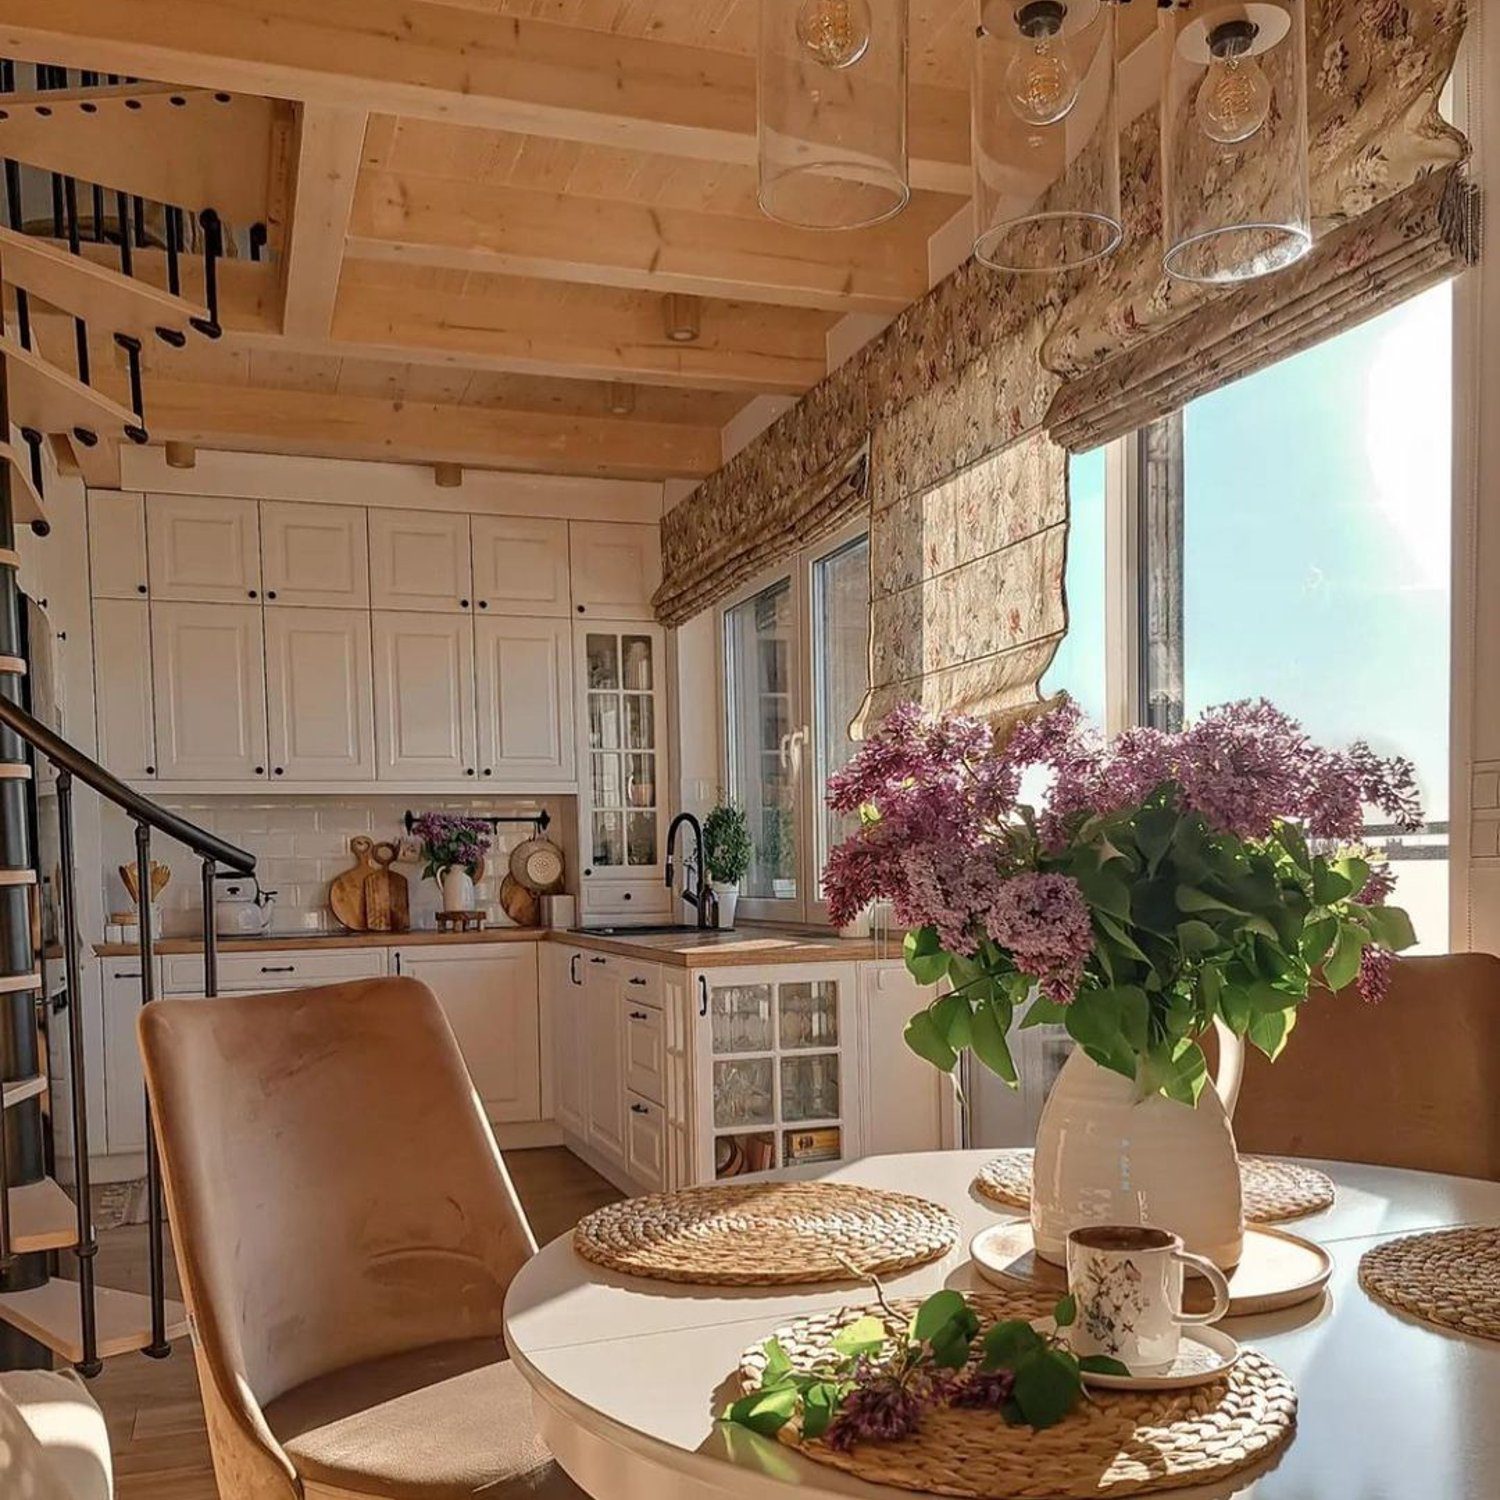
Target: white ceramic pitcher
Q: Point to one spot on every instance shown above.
(1105, 1155)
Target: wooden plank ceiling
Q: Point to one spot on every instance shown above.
(480, 210)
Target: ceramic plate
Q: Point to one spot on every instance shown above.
(1204, 1355)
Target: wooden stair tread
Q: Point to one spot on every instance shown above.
(23, 493)
(50, 1315)
(42, 1217)
(48, 399)
(18, 1090)
(107, 300)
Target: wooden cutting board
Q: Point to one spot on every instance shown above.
(346, 894)
(387, 900)
(522, 906)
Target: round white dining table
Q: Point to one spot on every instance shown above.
(629, 1376)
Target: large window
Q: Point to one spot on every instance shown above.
(796, 669)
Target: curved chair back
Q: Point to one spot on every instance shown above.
(1413, 1081)
(335, 1194)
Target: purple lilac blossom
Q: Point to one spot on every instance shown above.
(1374, 978)
(880, 1408)
(1043, 922)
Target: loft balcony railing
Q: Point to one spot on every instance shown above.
(214, 853)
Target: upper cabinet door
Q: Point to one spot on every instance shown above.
(616, 568)
(122, 688)
(117, 545)
(524, 673)
(208, 665)
(203, 548)
(520, 565)
(420, 560)
(315, 554)
(318, 701)
(424, 697)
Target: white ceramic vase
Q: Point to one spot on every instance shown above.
(1106, 1155)
(458, 889)
(726, 894)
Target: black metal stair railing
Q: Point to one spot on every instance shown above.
(72, 764)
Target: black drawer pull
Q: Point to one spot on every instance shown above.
(639, 1109)
(127, 974)
(278, 968)
(638, 980)
(639, 1015)
(598, 960)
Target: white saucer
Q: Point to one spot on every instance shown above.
(1205, 1354)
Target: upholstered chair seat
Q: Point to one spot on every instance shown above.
(345, 1232)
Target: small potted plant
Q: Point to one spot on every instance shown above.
(454, 849)
(778, 852)
(726, 852)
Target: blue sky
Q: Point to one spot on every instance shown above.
(1317, 542)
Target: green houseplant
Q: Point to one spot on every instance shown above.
(726, 851)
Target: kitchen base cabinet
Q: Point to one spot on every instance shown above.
(646, 1143)
(604, 1042)
(906, 1104)
(124, 1081)
(563, 1037)
(488, 991)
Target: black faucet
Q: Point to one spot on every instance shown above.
(699, 898)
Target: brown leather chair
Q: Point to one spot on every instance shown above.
(345, 1233)
(1413, 1081)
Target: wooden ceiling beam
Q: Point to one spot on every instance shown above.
(420, 220)
(419, 57)
(310, 423)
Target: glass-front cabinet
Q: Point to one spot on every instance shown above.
(622, 769)
(777, 1068)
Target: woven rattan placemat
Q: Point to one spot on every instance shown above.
(1450, 1277)
(1274, 1190)
(766, 1234)
(1115, 1443)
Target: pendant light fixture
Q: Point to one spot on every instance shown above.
(1235, 201)
(831, 97)
(1046, 142)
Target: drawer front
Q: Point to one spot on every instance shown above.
(645, 1052)
(274, 969)
(646, 1143)
(640, 982)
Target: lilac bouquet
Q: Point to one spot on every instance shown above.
(450, 840)
(1169, 880)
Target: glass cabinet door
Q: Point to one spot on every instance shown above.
(774, 1056)
(622, 687)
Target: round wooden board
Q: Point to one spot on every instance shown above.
(1278, 1269)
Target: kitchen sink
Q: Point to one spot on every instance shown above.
(638, 931)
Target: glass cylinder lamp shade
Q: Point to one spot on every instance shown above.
(1045, 138)
(1234, 139)
(831, 96)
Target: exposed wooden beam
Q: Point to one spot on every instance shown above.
(544, 328)
(329, 144)
(260, 419)
(418, 57)
(425, 220)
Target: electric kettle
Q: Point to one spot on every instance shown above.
(241, 908)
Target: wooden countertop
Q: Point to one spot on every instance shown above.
(683, 950)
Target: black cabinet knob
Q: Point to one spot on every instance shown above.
(280, 771)
(270, 593)
(489, 771)
(468, 770)
(151, 770)
(463, 603)
(627, 896)
(580, 609)
(253, 594)
(140, 588)
(484, 604)
(260, 770)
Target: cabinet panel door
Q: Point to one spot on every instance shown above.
(520, 565)
(569, 1028)
(117, 545)
(645, 1052)
(424, 696)
(419, 560)
(603, 1025)
(906, 1103)
(525, 697)
(208, 666)
(490, 1000)
(124, 1081)
(203, 548)
(646, 1144)
(122, 687)
(616, 568)
(315, 554)
(318, 699)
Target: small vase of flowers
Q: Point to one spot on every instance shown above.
(1169, 883)
(726, 852)
(453, 850)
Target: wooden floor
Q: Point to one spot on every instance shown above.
(155, 1419)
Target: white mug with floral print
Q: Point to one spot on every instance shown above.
(1127, 1282)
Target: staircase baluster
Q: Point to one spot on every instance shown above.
(213, 247)
(80, 328)
(88, 1241)
(33, 440)
(174, 247)
(132, 347)
(127, 261)
(7, 1255)
(158, 1348)
(210, 937)
(138, 214)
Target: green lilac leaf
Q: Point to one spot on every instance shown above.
(1008, 1343)
(924, 1038)
(1044, 1012)
(1270, 1029)
(1196, 937)
(1065, 1314)
(987, 1035)
(1047, 1389)
(1340, 967)
(1102, 1364)
(1389, 926)
(863, 1336)
(765, 1412)
(926, 959)
(820, 1403)
(937, 1312)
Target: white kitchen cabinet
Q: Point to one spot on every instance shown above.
(646, 1143)
(320, 717)
(645, 1051)
(520, 565)
(616, 567)
(117, 545)
(488, 991)
(603, 1025)
(419, 560)
(424, 696)
(906, 1104)
(315, 555)
(568, 1017)
(208, 673)
(524, 683)
(778, 1067)
(122, 688)
(270, 968)
(622, 770)
(203, 549)
(124, 1082)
